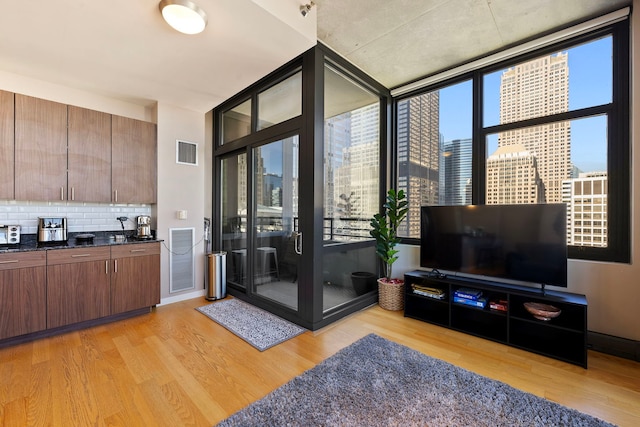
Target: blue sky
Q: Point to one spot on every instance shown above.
(590, 83)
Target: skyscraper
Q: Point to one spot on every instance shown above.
(418, 155)
(586, 199)
(352, 177)
(534, 89)
(455, 172)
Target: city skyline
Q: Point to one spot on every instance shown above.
(590, 83)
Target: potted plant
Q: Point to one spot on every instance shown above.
(384, 230)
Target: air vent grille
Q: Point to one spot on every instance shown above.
(187, 153)
(181, 259)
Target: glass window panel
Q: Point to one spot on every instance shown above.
(579, 77)
(236, 122)
(280, 102)
(351, 188)
(234, 217)
(351, 158)
(562, 162)
(434, 150)
(353, 273)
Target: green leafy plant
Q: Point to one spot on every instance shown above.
(385, 229)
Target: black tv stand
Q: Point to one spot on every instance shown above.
(563, 338)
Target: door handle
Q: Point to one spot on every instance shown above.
(297, 243)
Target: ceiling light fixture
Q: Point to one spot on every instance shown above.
(184, 16)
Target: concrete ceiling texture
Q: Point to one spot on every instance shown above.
(124, 50)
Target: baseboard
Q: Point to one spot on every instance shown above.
(182, 297)
(616, 346)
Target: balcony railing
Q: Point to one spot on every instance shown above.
(334, 229)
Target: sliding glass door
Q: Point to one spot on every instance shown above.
(276, 239)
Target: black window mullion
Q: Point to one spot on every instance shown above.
(479, 144)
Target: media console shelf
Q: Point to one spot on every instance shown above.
(563, 338)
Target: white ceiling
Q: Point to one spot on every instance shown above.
(124, 50)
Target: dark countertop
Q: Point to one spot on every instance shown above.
(29, 242)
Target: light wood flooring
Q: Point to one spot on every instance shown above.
(175, 367)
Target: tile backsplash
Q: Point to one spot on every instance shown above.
(81, 217)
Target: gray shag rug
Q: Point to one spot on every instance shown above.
(256, 326)
(375, 382)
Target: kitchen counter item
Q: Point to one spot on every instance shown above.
(52, 229)
(144, 227)
(9, 234)
(85, 237)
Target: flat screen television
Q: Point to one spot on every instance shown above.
(521, 243)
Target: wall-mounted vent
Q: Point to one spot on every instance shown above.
(181, 259)
(186, 153)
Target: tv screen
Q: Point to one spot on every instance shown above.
(524, 243)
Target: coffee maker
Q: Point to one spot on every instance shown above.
(143, 230)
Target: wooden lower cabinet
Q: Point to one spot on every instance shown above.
(78, 285)
(135, 282)
(22, 293)
(55, 288)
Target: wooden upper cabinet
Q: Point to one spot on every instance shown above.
(133, 160)
(6, 145)
(40, 149)
(89, 151)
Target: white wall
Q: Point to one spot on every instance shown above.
(180, 187)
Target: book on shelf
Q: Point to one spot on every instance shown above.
(480, 302)
(500, 305)
(428, 292)
(468, 293)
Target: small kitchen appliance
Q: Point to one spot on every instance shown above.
(9, 234)
(52, 229)
(144, 227)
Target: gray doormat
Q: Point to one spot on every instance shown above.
(375, 382)
(256, 326)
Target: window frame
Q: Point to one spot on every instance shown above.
(618, 140)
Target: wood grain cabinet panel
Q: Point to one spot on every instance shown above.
(22, 293)
(133, 160)
(40, 149)
(6, 145)
(78, 285)
(136, 277)
(89, 155)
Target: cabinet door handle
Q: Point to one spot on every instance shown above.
(115, 265)
(80, 255)
(73, 193)
(115, 195)
(61, 193)
(106, 267)
(138, 250)
(13, 261)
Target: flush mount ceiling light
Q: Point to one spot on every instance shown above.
(184, 16)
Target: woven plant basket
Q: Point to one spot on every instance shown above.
(391, 295)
